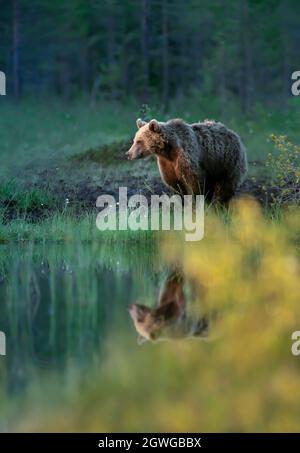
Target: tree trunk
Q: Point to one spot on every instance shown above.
(165, 54)
(222, 80)
(111, 49)
(286, 57)
(248, 59)
(145, 49)
(83, 64)
(15, 49)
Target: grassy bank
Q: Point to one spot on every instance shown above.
(62, 156)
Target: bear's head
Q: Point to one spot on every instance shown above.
(148, 140)
(148, 323)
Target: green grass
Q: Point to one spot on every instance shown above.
(11, 194)
(65, 226)
(36, 131)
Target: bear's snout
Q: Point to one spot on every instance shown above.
(128, 155)
(134, 153)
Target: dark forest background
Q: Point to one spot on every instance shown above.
(151, 49)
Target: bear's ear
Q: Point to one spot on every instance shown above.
(140, 123)
(154, 126)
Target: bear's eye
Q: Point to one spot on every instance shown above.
(139, 142)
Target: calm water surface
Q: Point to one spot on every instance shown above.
(62, 305)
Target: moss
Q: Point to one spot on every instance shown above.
(108, 154)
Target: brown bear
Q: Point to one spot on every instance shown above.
(169, 319)
(200, 158)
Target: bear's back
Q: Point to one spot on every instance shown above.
(210, 127)
(221, 148)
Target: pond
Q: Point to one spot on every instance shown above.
(60, 302)
(150, 335)
(64, 304)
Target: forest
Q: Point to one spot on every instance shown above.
(151, 49)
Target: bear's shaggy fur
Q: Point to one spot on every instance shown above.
(201, 158)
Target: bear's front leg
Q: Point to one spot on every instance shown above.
(168, 174)
(187, 179)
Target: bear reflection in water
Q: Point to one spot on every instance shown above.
(169, 319)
